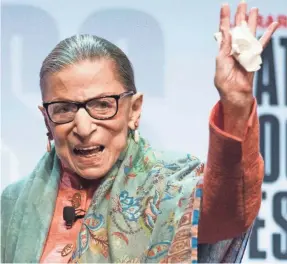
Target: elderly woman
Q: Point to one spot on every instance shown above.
(123, 201)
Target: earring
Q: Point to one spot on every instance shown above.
(136, 133)
(49, 142)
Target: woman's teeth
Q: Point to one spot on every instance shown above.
(89, 151)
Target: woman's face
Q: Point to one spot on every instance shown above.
(106, 139)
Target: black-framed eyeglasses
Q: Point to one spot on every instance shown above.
(100, 108)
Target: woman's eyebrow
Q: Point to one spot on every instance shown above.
(60, 98)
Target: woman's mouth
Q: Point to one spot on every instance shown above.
(88, 151)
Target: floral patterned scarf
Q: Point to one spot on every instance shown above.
(147, 210)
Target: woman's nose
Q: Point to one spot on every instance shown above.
(84, 124)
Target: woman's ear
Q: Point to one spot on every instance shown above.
(135, 111)
(46, 119)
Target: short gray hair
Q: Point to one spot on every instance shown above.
(87, 47)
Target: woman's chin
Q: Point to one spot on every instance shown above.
(91, 173)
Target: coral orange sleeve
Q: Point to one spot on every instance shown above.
(232, 181)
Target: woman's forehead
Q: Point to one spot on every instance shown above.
(83, 81)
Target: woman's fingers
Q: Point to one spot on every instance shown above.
(264, 40)
(240, 13)
(224, 28)
(224, 17)
(240, 16)
(252, 20)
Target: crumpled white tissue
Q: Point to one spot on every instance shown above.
(246, 49)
